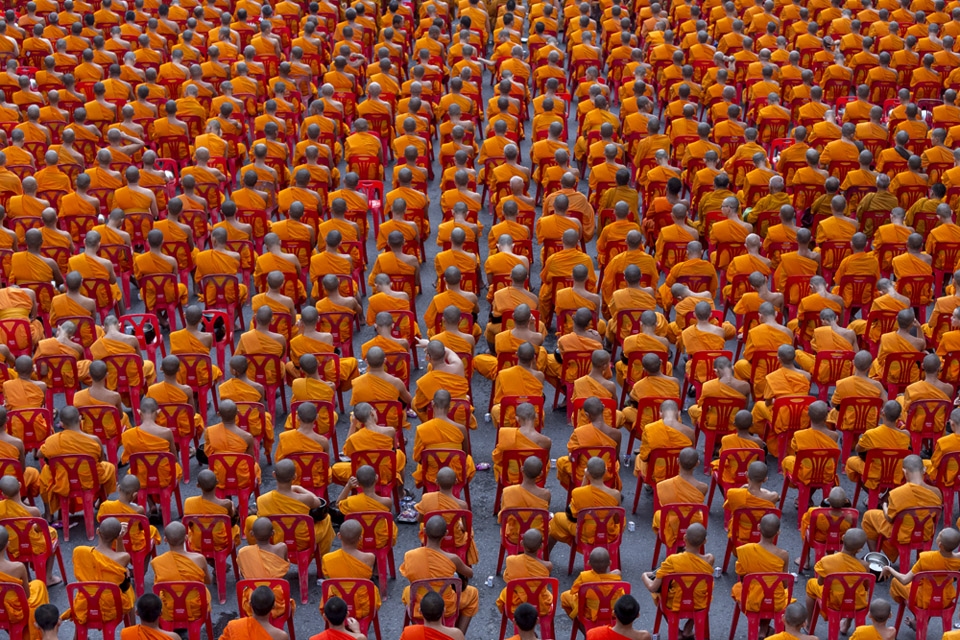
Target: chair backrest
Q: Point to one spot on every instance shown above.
(533, 590)
(15, 599)
(915, 524)
(580, 455)
(937, 590)
(683, 514)
(206, 531)
(59, 372)
(127, 368)
(928, 416)
(842, 591)
(184, 597)
(352, 590)
(246, 587)
(834, 526)
(595, 601)
(265, 368)
(15, 333)
(764, 591)
(384, 461)
(20, 530)
(821, 462)
(735, 462)
(885, 466)
(70, 465)
(148, 466)
(95, 594)
(178, 417)
(295, 530)
(237, 469)
(419, 588)
(682, 589)
(432, 460)
(376, 525)
(744, 523)
(864, 412)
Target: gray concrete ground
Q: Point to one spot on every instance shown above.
(636, 550)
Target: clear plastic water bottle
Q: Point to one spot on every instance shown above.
(489, 581)
(631, 526)
(362, 366)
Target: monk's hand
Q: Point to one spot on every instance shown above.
(351, 483)
(124, 526)
(352, 625)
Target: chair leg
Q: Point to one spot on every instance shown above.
(736, 619)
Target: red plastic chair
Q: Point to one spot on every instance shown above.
(197, 367)
(949, 488)
(245, 587)
(866, 413)
(849, 585)
(129, 383)
(328, 366)
(922, 522)
(208, 530)
(737, 461)
(919, 289)
(139, 323)
(374, 525)
(419, 588)
(648, 410)
(888, 463)
(926, 421)
(311, 474)
(604, 594)
(511, 463)
(531, 590)
(771, 586)
(340, 325)
(94, 420)
(829, 367)
(32, 426)
(147, 466)
(385, 462)
(60, 375)
(94, 594)
(458, 521)
(291, 528)
(222, 291)
(685, 514)
(70, 465)
(791, 411)
(16, 334)
(686, 585)
(102, 294)
(522, 519)
(436, 459)
(185, 595)
(180, 418)
(209, 325)
(576, 364)
(671, 467)
(601, 518)
(240, 478)
(740, 534)
(18, 628)
(268, 370)
(166, 295)
(821, 476)
(833, 538)
(701, 362)
(939, 606)
(723, 410)
(20, 548)
(138, 559)
(907, 370)
(349, 589)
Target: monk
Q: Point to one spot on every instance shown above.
(766, 335)
(125, 505)
(651, 382)
(264, 560)
(633, 297)
(560, 265)
(21, 303)
(331, 261)
(445, 500)
(915, 493)
(527, 564)
(594, 492)
(802, 262)
(149, 610)
(430, 561)
(367, 501)
(687, 561)
(702, 335)
(169, 391)
(338, 625)
(24, 393)
(291, 498)
(257, 626)
(943, 558)
(240, 388)
(725, 385)
(788, 380)
(818, 435)
(133, 197)
(760, 557)
(445, 371)
(155, 261)
(899, 341)
(366, 434)
(107, 561)
(914, 263)
(13, 506)
(680, 489)
(310, 340)
(523, 379)
(509, 297)
(261, 339)
(207, 503)
(667, 432)
(843, 561)
(693, 266)
(92, 266)
(945, 444)
(192, 340)
(527, 494)
(180, 565)
(397, 263)
(598, 571)
(880, 612)
(377, 385)
(219, 261)
(148, 437)
(227, 437)
(71, 440)
(596, 383)
(276, 260)
(750, 496)
(465, 301)
(99, 395)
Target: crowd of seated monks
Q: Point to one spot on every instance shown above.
(726, 219)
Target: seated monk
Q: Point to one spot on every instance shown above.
(155, 261)
(440, 432)
(264, 561)
(257, 626)
(12, 506)
(901, 340)
(509, 298)
(765, 336)
(943, 306)
(31, 265)
(634, 254)
(227, 437)
(207, 503)
(310, 340)
(35, 590)
(687, 561)
(788, 380)
(134, 198)
(680, 489)
(386, 300)
(652, 337)
(802, 262)
(92, 267)
(445, 501)
(260, 339)
(914, 263)
(856, 385)
(125, 505)
(596, 383)
(180, 565)
(888, 299)
(377, 385)
(577, 296)
(725, 385)
(818, 435)
(63, 345)
(396, 263)
(524, 436)
(313, 388)
(169, 391)
(384, 339)
(762, 557)
(560, 265)
(843, 561)
(943, 558)
(509, 340)
(652, 382)
(527, 564)
(430, 561)
(747, 263)
(885, 437)
(276, 260)
(914, 493)
(191, 340)
(457, 256)
(693, 267)
(599, 571)
(149, 437)
(24, 393)
(21, 303)
(281, 305)
(332, 261)
(304, 438)
(98, 395)
(350, 562)
(750, 496)
(445, 370)
(291, 498)
(930, 388)
(666, 433)
(365, 434)
(625, 610)
(594, 492)
(359, 495)
(522, 379)
(100, 563)
(338, 625)
(634, 296)
(219, 261)
(453, 294)
(702, 335)
(240, 388)
(583, 338)
(593, 431)
(820, 298)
